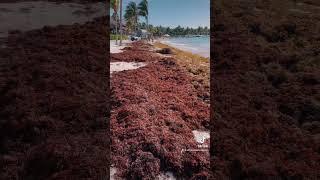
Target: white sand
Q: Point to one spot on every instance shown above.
(162, 176)
(166, 176)
(117, 48)
(113, 171)
(122, 66)
(201, 136)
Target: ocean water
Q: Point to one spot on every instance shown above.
(196, 45)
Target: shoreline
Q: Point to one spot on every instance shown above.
(160, 44)
(185, 46)
(196, 65)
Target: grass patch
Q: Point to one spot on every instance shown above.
(114, 37)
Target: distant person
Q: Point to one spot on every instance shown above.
(148, 37)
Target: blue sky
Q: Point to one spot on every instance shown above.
(192, 13)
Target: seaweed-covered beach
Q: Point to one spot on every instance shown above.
(154, 111)
(265, 82)
(54, 102)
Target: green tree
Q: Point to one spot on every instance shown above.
(131, 16)
(143, 10)
(187, 31)
(206, 30)
(168, 30)
(199, 30)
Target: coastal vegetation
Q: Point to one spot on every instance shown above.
(117, 37)
(176, 31)
(131, 16)
(134, 11)
(143, 11)
(179, 31)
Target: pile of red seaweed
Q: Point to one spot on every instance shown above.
(266, 91)
(154, 110)
(54, 103)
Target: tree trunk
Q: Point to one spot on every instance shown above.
(120, 23)
(116, 28)
(147, 27)
(147, 17)
(136, 24)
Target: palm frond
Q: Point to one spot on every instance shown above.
(143, 8)
(114, 4)
(131, 15)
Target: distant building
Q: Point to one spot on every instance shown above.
(143, 34)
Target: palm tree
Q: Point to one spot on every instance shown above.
(131, 15)
(143, 11)
(115, 6)
(130, 26)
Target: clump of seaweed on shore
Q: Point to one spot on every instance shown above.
(197, 66)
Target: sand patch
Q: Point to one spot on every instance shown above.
(122, 66)
(166, 176)
(113, 171)
(116, 48)
(201, 136)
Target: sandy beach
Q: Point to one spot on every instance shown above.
(116, 48)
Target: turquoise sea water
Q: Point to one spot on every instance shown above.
(196, 45)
